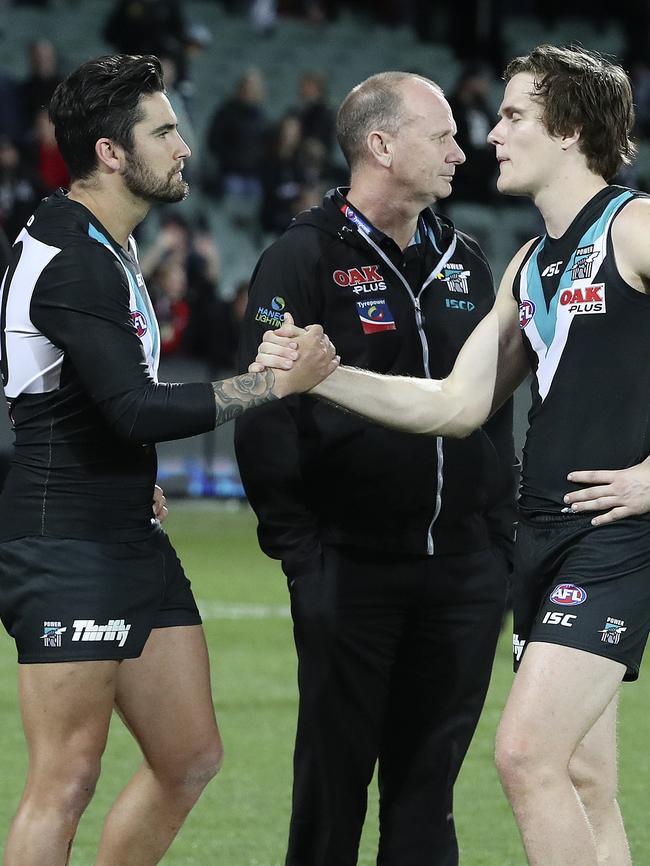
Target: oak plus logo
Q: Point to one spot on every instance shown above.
(590, 299)
(361, 280)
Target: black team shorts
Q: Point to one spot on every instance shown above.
(66, 600)
(583, 586)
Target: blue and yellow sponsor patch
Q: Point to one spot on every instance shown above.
(375, 316)
(273, 314)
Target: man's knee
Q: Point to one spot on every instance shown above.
(595, 783)
(65, 789)
(190, 773)
(522, 765)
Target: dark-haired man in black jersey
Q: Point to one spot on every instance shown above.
(90, 587)
(573, 306)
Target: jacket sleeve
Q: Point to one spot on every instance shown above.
(269, 446)
(81, 304)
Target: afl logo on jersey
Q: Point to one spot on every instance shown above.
(568, 594)
(526, 313)
(139, 322)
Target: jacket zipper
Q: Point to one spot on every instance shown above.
(446, 256)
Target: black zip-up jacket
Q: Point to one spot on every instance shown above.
(314, 473)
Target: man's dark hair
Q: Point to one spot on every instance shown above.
(580, 90)
(376, 103)
(101, 99)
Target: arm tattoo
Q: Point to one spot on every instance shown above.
(236, 395)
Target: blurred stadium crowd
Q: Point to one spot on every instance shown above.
(255, 85)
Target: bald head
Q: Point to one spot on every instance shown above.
(378, 103)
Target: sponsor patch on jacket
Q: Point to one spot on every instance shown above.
(364, 279)
(273, 314)
(455, 275)
(375, 316)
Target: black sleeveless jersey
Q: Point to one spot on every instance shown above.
(79, 349)
(587, 336)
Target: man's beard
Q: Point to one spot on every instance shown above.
(142, 182)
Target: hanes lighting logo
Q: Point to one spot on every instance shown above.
(590, 299)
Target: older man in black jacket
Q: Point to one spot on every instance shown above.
(396, 546)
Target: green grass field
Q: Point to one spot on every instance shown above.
(242, 818)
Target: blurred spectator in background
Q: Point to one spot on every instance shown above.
(214, 330)
(475, 180)
(236, 136)
(639, 71)
(263, 15)
(185, 123)
(20, 190)
(50, 167)
(37, 89)
(168, 285)
(10, 115)
(315, 115)
(150, 27)
(182, 271)
(281, 176)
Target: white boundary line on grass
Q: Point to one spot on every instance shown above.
(212, 610)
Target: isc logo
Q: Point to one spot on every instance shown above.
(554, 617)
(456, 304)
(590, 299)
(568, 594)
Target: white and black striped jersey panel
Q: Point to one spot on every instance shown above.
(31, 364)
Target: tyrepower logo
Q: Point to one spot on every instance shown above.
(364, 279)
(590, 299)
(568, 594)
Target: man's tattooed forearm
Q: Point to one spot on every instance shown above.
(234, 396)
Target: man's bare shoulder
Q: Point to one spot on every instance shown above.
(505, 287)
(630, 233)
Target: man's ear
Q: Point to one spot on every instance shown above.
(570, 140)
(109, 154)
(380, 145)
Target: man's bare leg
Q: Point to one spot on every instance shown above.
(558, 695)
(164, 698)
(594, 773)
(66, 710)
